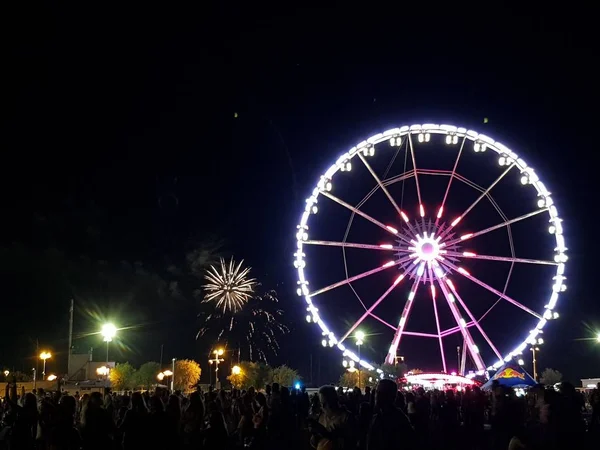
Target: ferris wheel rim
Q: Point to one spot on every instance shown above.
(481, 142)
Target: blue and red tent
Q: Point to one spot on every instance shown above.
(511, 375)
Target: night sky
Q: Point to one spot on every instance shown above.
(133, 138)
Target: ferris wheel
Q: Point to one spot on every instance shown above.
(437, 245)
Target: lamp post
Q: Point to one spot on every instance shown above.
(360, 336)
(108, 332)
(173, 374)
(44, 356)
(168, 374)
(216, 360)
(535, 349)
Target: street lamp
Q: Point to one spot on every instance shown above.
(534, 349)
(44, 356)
(108, 332)
(160, 376)
(6, 373)
(360, 337)
(102, 371)
(217, 359)
(167, 373)
(236, 370)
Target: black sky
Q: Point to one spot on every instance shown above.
(120, 143)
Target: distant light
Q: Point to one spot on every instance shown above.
(297, 386)
(51, 377)
(521, 362)
(108, 332)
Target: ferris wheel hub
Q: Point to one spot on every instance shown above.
(427, 250)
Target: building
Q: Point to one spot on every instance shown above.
(589, 383)
(82, 368)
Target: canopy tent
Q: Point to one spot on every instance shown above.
(511, 375)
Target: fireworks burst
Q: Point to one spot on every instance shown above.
(241, 318)
(229, 286)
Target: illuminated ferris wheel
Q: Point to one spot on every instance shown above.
(436, 243)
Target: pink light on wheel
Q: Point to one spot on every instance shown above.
(463, 271)
(428, 249)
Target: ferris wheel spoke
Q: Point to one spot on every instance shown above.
(412, 155)
(376, 317)
(387, 228)
(462, 325)
(474, 321)
(509, 259)
(418, 334)
(475, 280)
(359, 276)
(437, 319)
(391, 356)
(370, 310)
(441, 209)
(384, 189)
(506, 223)
(456, 329)
(388, 247)
(481, 197)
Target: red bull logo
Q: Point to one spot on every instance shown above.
(509, 373)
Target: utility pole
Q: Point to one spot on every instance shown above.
(70, 338)
(458, 359)
(173, 376)
(162, 348)
(535, 374)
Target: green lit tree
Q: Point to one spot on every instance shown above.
(285, 376)
(146, 374)
(123, 376)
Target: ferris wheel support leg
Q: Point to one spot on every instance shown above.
(470, 344)
(462, 303)
(437, 319)
(391, 356)
(463, 361)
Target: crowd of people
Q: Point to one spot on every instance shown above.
(278, 418)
